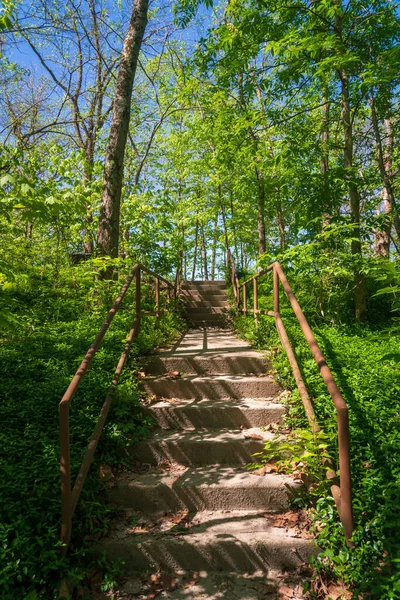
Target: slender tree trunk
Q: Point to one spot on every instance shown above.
(88, 242)
(262, 247)
(28, 230)
(281, 224)
(108, 231)
(259, 176)
(388, 158)
(235, 242)
(196, 235)
(214, 247)
(204, 248)
(382, 237)
(356, 249)
(326, 204)
(222, 209)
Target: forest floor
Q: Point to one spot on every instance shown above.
(52, 332)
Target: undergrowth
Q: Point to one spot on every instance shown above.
(53, 327)
(365, 361)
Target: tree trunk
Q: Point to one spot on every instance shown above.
(108, 231)
(204, 248)
(196, 235)
(88, 243)
(382, 237)
(222, 209)
(281, 224)
(259, 176)
(262, 247)
(326, 204)
(356, 250)
(214, 248)
(235, 243)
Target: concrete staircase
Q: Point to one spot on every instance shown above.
(206, 302)
(189, 505)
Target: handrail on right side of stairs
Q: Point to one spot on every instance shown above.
(342, 494)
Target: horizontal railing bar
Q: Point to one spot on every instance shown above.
(258, 275)
(150, 272)
(152, 313)
(325, 371)
(269, 313)
(305, 397)
(87, 461)
(86, 362)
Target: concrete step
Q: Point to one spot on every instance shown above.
(211, 447)
(235, 541)
(208, 362)
(210, 414)
(217, 294)
(203, 285)
(202, 340)
(200, 303)
(207, 318)
(211, 488)
(205, 310)
(209, 585)
(212, 387)
(204, 297)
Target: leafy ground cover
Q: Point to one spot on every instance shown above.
(53, 327)
(365, 360)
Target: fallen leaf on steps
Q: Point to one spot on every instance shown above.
(254, 436)
(194, 579)
(260, 472)
(160, 582)
(265, 470)
(285, 592)
(173, 375)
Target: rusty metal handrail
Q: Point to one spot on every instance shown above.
(70, 496)
(341, 494)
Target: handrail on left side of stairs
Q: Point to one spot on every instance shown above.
(70, 495)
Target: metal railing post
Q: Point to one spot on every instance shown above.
(157, 298)
(255, 298)
(65, 469)
(137, 302)
(276, 290)
(346, 510)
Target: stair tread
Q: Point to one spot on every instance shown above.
(216, 476)
(222, 523)
(202, 403)
(209, 435)
(214, 585)
(209, 378)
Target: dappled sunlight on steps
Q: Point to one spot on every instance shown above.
(212, 401)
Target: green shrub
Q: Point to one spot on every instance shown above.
(38, 357)
(365, 360)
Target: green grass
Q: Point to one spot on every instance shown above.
(38, 359)
(365, 361)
